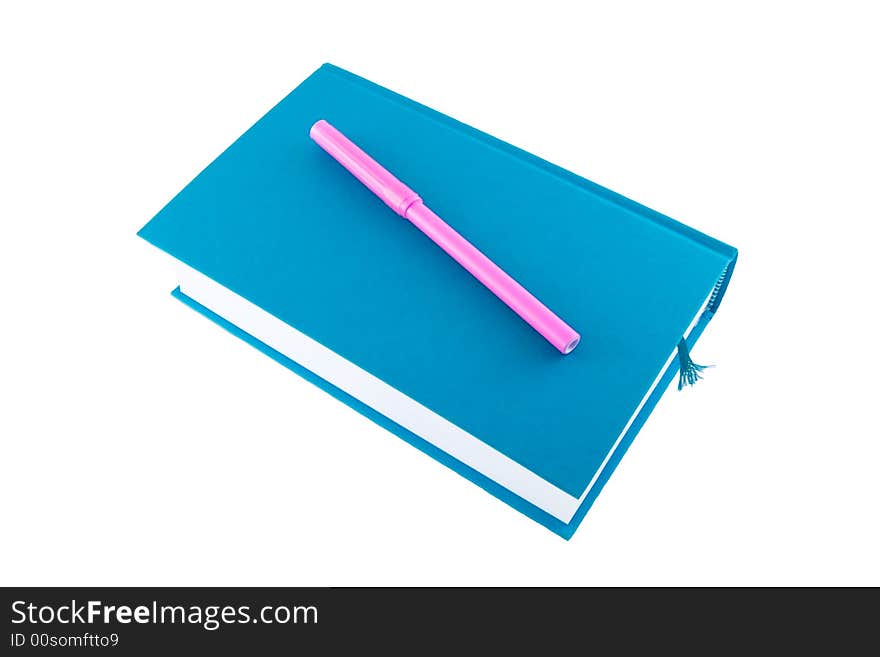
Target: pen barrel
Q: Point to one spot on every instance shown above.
(407, 203)
(520, 300)
(379, 180)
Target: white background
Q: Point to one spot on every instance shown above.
(141, 444)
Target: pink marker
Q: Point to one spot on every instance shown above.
(408, 205)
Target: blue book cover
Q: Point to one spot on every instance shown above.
(280, 245)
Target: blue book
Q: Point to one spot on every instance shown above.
(280, 245)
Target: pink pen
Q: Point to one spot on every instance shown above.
(408, 205)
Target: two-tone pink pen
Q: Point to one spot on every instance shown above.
(408, 205)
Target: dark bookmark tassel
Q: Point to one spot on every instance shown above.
(688, 371)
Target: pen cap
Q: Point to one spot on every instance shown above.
(393, 193)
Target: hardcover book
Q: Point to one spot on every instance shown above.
(281, 246)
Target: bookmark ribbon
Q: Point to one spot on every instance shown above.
(688, 371)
